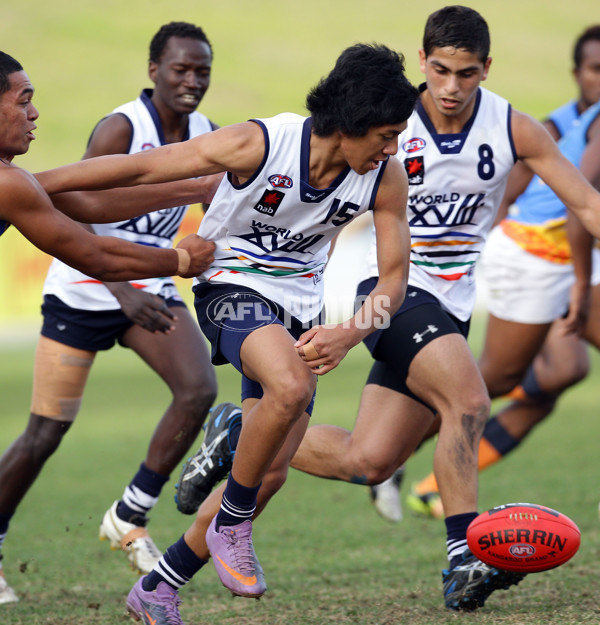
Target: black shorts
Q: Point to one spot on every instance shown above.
(228, 313)
(92, 330)
(420, 320)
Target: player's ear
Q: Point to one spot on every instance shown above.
(152, 69)
(486, 68)
(422, 60)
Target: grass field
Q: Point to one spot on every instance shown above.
(328, 557)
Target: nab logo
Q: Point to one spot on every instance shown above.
(415, 169)
(414, 145)
(269, 202)
(277, 180)
(522, 550)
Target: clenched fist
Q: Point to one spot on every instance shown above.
(201, 254)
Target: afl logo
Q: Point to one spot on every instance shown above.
(147, 146)
(414, 145)
(277, 180)
(239, 312)
(522, 550)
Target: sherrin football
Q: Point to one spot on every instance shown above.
(523, 537)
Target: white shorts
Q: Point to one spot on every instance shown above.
(523, 287)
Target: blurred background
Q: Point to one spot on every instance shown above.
(87, 57)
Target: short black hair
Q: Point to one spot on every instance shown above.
(589, 34)
(8, 66)
(366, 88)
(175, 29)
(458, 27)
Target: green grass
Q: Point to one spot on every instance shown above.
(328, 557)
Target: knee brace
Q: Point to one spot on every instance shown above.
(59, 377)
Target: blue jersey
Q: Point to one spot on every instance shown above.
(538, 220)
(564, 117)
(3, 226)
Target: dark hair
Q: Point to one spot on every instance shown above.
(175, 29)
(589, 34)
(366, 88)
(458, 27)
(8, 66)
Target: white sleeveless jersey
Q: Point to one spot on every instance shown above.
(456, 183)
(156, 229)
(273, 232)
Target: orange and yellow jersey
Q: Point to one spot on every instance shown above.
(537, 220)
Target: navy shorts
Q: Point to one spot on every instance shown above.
(228, 313)
(92, 330)
(420, 320)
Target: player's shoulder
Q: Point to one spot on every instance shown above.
(21, 187)
(491, 97)
(13, 178)
(394, 182)
(283, 119)
(524, 122)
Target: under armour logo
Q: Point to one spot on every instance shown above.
(418, 337)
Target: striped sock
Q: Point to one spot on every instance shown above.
(176, 567)
(4, 521)
(456, 536)
(141, 495)
(238, 504)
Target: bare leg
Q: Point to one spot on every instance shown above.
(274, 479)
(508, 351)
(388, 427)
(60, 374)
(445, 375)
(181, 359)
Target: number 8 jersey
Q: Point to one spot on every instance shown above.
(456, 183)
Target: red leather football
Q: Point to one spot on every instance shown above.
(523, 537)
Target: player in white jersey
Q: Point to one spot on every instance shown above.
(83, 315)
(259, 303)
(528, 265)
(341, 167)
(423, 366)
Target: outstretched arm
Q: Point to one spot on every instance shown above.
(106, 258)
(127, 202)
(238, 149)
(580, 240)
(536, 147)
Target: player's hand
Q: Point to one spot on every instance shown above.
(323, 347)
(144, 309)
(201, 254)
(579, 305)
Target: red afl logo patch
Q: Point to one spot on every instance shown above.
(277, 180)
(414, 145)
(522, 550)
